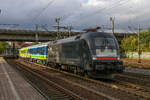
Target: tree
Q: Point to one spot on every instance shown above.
(129, 44)
(145, 40)
(3, 46)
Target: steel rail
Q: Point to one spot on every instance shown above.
(132, 77)
(76, 84)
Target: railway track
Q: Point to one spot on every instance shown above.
(132, 78)
(134, 88)
(90, 91)
(129, 88)
(136, 75)
(124, 86)
(54, 91)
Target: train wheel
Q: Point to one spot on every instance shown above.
(86, 74)
(82, 72)
(75, 70)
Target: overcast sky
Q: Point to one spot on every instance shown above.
(78, 13)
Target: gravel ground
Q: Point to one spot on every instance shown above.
(139, 71)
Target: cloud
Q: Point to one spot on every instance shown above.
(78, 13)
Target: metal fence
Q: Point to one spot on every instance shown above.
(144, 55)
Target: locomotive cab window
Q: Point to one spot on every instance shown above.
(110, 42)
(103, 42)
(99, 42)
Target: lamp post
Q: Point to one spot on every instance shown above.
(139, 51)
(113, 22)
(36, 34)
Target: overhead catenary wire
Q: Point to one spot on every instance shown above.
(115, 4)
(104, 9)
(43, 9)
(93, 13)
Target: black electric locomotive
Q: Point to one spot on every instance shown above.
(95, 54)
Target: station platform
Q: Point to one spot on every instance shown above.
(15, 87)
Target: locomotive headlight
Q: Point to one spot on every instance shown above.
(118, 57)
(94, 58)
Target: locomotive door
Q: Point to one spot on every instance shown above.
(57, 54)
(85, 56)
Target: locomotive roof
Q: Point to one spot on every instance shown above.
(84, 36)
(66, 39)
(103, 34)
